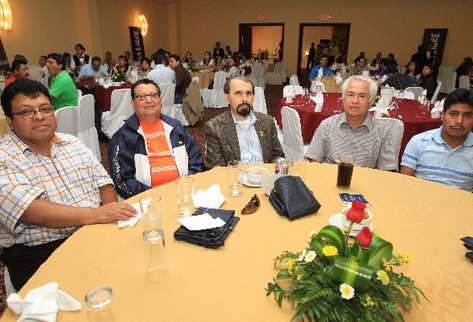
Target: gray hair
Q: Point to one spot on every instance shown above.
(226, 87)
(373, 86)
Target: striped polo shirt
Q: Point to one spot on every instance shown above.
(371, 145)
(432, 159)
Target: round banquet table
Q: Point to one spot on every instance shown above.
(421, 218)
(102, 95)
(410, 110)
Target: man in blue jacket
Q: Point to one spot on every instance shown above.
(150, 149)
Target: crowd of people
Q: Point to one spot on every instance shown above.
(51, 184)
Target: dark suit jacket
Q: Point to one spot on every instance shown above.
(222, 140)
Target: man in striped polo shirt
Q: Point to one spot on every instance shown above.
(355, 135)
(445, 155)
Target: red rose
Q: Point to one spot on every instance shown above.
(364, 237)
(356, 212)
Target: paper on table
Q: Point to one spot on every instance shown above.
(210, 198)
(132, 221)
(201, 222)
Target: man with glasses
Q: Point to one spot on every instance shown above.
(50, 183)
(150, 149)
(355, 135)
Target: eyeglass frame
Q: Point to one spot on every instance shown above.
(153, 97)
(47, 111)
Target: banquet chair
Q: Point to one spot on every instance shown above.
(120, 110)
(409, 96)
(387, 94)
(215, 97)
(86, 131)
(9, 288)
(192, 107)
(66, 118)
(167, 99)
(278, 76)
(294, 80)
(447, 75)
(464, 82)
(79, 94)
(257, 75)
(259, 103)
(436, 92)
(292, 90)
(315, 83)
(397, 131)
(417, 90)
(293, 144)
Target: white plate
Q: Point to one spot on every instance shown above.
(244, 180)
(338, 220)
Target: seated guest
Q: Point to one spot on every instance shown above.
(360, 66)
(19, 70)
(355, 134)
(445, 155)
(326, 71)
(63, 90)
(207, 61)
(93, 70)
(183, 78)
(393, 60)
(385, 67)
(341, 59)
(427, 81)
(411, 73)
(218, 52)
(377, 60)
(233, 69)
(188, 59)
(69, 65)
(122, 67)
(397, 80)
(145, 68)
(80, 58)
(50, 183)
(150, 149)
(239, 133)
(464, 69)
(161, 74)
(109, 62)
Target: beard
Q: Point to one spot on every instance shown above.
(244, 109)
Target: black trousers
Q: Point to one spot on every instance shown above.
(23, 261)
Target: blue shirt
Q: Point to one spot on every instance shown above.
(248, 140)
(314, 72)
(434, 160)
(88, 71)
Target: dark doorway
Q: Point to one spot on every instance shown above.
(323, 35)
(255, 38)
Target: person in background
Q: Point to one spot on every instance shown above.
(189, 61)
(311, 57)
(63, 90)
(150, 149)
(361, 55)
(385, 67)
(128, 57)
(207, 61)
(422, 57)
(19, 70)
(44, 75)
(218, 52)
(94, 70)
(360, 66)
(183, 78)
(332, 52)
(109, 62)
(50, 183)
(411, 73)
(69, 65)
(464, 69)
(145, 68)
(80, 58)
(445, 155)
(161, 74)
(122, 67)
(233, 68)
(228, 52)
(427, 81)
(323, 65)
(377, 60)
(342, 58)
(393, 60)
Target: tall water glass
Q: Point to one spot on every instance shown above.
(233, 177)
(98, 304)
(185, 192)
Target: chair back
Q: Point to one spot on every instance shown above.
(259, 103)
(464, 82)
(66, 118)
(87, 132)
(167, 99)
(397, 131)
(292, 90)
(436, 92)
(120, 102)
(409, 95)
(220, 78)
(293, 143)
(417, 90)
(294, 80)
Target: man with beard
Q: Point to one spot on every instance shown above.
(240, 133)
(445, 155)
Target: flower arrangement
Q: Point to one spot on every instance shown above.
(119, 77)
(338, 277)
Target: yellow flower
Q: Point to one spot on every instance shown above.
(347, 291)
(290, 263)
(330, 251)
(383, 277)
(367, 301)
(403, 258)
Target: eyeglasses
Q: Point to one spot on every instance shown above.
(29, 112)
(352, 96)
(142, 98)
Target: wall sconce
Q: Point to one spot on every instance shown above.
(6, 18)
(143, 24)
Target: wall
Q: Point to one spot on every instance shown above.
(43, 26)
(265, 38)
(375, 25)
(313, 34)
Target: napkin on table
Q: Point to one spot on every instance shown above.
(209, 198)
(132, 221)
(201, 222)
(42, 303)
(438, 108)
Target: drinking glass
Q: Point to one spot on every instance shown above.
(185, 192)
(98, 303)
(233, 176)
(345, 172)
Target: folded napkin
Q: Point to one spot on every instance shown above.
(132, 221)
(422, 96)
(201, 222)
(380, 109)
(210, 198)
(438, 108)
(42, 303)
(318, 99)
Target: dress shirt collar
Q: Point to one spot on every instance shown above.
(437, 137)
(251, 116)
(24, 147)
(367, 122)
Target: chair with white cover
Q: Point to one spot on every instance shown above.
(259, 103)
(257, 75)
(417, 90)
(464, 82)
(397, 131)
(387, 94)
(294, 80)
(409, 96)
(9, 288)
(292, 90)
(447, 75)
(315, 83)
(120, 110)
(79, 94)
(215, 97)
(167, 99)
(66, 118)
(293, 144)
(436, 92)
(87, 132)
(278, 76)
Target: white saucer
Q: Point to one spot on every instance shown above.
(244, 180)
(338, 220)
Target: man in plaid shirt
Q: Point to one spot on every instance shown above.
(50, 183)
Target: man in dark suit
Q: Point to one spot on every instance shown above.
(239, 133)
(80, 58)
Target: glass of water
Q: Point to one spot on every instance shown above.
(233, 176)
(98, 303)
(185, 192)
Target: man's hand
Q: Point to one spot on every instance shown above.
(112, 212)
